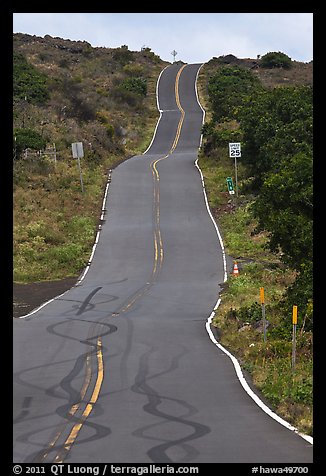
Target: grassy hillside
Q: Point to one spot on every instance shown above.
(64, 92)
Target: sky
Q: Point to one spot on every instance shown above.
(196, 37)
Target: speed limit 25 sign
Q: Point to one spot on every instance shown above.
(234, 149)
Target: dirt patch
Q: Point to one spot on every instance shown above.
(27, 297)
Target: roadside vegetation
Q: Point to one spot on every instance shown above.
(64, 92)
(267, 229)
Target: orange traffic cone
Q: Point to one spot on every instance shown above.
(235, 269)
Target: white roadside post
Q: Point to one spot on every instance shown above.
(294, 332)
(78, 153)
(235, 151)
(262, 303)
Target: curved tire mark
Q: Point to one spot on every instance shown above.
(158, 453)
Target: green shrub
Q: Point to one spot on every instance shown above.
(275, 60)
(220, 135)
(227, 88)
(135, 85)
(28, 82)
(124, 96)
(122, 55)
(27, 139)
(134, 70)
(250, 313)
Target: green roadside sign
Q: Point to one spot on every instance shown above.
(230, 185)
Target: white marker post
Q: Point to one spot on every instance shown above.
(235, 151)
(262, 302)
(294, 333)
(78, 153)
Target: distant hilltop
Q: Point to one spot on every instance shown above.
(295, 73)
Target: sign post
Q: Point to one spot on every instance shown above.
(294, 332)
(174, 54)
(235, 151)
(78, 153)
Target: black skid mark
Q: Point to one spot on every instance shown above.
(158, 453)
(111, 328)
(52, 329)
(100, 431)
(72, 396)
(25, 410)
(87, 301)
(80, 362)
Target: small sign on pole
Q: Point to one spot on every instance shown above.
(77, 150)
(230, 185)
(78, 153)
(234, 149)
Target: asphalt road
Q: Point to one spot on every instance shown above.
(120, 368)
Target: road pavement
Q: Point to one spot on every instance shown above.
(120, 369)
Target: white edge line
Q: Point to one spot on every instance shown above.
(102, 216)
(203, 184)
(159, 109)
(235, 362)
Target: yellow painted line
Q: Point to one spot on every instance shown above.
(176, 87)
(161, 245)
(158, 261)
(89, 407)
(158, 243)
(177, 98)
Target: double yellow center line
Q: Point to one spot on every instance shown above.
(63, 451)
(158, 244)
(158, 261)
(89, 407)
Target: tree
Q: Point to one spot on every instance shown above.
(275, 59)
(227, 89)
(123, 55)
(284, 207)
(275, 124)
